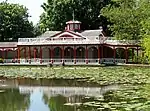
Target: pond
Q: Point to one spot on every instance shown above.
(71, 95)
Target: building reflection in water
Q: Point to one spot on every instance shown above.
(47, 95)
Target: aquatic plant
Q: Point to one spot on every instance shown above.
(101, 75)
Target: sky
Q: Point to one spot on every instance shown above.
(34, 7)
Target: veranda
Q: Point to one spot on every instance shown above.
(72, 51)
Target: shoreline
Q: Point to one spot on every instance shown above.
(86, 65)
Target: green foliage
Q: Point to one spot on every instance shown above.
(37, 31)
(128, 98)
(1, 60)
(146, 46)
(146, 40)
(57, 104)
(131, 21)
(131, 93)
(120, 53)
(14, 22)
(100, 75)
(58, 12)
(141, 60)
(127, 17)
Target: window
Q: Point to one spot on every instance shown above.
(76, 26)
(71, 26)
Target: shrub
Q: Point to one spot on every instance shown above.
(141, 60)
(1, 60)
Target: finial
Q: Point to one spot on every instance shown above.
(73, 15)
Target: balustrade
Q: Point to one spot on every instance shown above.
(92, 60)
(67, 61)
(80, 60)
(42, 41)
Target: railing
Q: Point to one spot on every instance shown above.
(43, 41)
(45, 60)
(120, 60)
(66, 61)
(122, 42)
(108, 60)
(57, 60)
(80, 60)
(93, 61)
(112, 60)
(69, 60)
(10, 61)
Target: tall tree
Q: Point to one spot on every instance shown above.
(146, 40)
(58, 12)
(14, 22)
(126, 17)
(130, 20)
(37, 31)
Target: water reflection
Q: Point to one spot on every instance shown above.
(12, 100)
(37, 102)
(46, 95)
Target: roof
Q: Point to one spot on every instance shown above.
(72, 32)
(73, 21)
(8, 44)
(87, 33)
(92, 32)
(49, 33)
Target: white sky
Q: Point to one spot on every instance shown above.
(34, 7)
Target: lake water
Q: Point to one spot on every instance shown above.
(66, 95)
(47, 95)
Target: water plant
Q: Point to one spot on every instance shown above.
(101, 75)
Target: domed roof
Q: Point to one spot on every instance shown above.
(73, 21)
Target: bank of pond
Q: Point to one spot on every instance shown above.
(113, 88)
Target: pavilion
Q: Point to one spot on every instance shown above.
(70, 46)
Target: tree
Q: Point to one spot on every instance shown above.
(130, 20)
(58, 12)
(37, 31)
(146, 39)
(145, 29)
(14, 22)
(126, 17)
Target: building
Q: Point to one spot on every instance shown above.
(71, 46)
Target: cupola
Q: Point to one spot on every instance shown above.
(73, 25)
